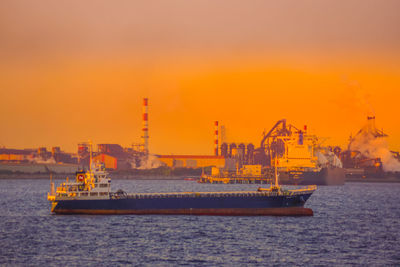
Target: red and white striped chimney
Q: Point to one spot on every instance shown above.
(145, 128)
(216, 138)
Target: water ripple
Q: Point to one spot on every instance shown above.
(355, 224)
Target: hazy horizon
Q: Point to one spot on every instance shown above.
(78, 70)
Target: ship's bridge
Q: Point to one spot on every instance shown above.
(93, 184)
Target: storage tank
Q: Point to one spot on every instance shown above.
(224, 150)
(250, 154)
(232, 147)
(241, 150)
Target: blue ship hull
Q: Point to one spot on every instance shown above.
(221, 204)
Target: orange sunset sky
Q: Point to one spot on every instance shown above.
(71, 71)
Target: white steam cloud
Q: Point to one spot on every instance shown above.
(376, 147)
(329, 158)
(40, 160)
(149, 162)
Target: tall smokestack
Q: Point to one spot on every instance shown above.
(145, 128)
(216, 138)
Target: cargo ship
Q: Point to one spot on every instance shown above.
(301, 159)
(90, 193)
(298, 164)
(320, 176)
(248, 174)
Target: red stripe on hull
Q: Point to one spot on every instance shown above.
(295, 211)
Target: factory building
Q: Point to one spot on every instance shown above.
(192, 161)
(39, 155)
(113, 156)
(116, 157)
(62, 157)
(109, 161)
(16, 155)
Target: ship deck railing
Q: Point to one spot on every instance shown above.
(310, 187)
(217, 194)
(235, 180)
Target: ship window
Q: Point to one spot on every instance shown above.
(93, 193)
(103, 193)
(103, 185)
(84, 194)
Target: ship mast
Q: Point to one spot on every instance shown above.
(90, 153)
(51, 184)
(276, 172)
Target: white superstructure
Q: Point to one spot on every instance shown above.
(92, 184)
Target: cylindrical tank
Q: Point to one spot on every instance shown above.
(232, 146)
(250, 154)
(224, 150)
(241, 150)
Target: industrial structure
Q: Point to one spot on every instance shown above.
(113, 156)
(216, 147)
(198, 161)
(299, 159)
(192, 161)
(116, 157)
(145, 129)
(39, 155)
(38, 161)
(363, 156)
(8, 155)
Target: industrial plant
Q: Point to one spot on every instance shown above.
(367, 154)
(299, 156)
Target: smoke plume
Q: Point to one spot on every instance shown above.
(329, 158)
(40, 160)
(149, 162)
(376, 147)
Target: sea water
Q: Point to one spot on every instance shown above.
(354, 224)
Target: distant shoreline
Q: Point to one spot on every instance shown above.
(119, 176)
(373, 180)
(44, 176)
